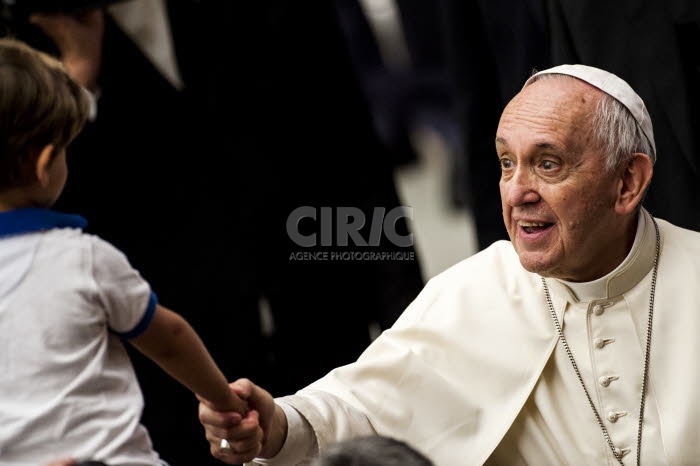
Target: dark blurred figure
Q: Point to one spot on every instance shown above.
(396, 47)
(653, 45)
(195, 184)
(371, 451)
(307, 138)
(491, 46)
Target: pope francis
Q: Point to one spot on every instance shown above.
(574, 343)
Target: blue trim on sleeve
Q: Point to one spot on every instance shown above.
(32, 219)
(145, 320)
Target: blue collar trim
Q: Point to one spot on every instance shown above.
(29, 220)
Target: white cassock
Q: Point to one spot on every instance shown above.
(472, 372)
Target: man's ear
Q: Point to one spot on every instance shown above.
(43, 162)
(633, 182)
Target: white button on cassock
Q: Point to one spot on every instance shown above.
(613, 416)
(598, 309)
(605, 380)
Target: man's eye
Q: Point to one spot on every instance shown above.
(549, 165)
(506, 163)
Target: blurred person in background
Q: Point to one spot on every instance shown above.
(490, 48)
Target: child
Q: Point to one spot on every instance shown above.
(67, 299)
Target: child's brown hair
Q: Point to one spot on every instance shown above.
(39, 105)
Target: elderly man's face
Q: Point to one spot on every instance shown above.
(558, 201)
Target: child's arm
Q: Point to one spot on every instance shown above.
(174, 345)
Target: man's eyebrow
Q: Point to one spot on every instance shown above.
(539, 145)
(548, 146)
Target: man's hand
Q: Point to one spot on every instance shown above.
(260, 433)
(79, 41)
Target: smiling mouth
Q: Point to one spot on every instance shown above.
(534, 227)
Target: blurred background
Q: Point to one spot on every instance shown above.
(216, 119)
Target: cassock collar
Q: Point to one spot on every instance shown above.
(29, 220)
(631, 271)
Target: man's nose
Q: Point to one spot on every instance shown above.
(520, 188)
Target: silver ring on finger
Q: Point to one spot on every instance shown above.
(224, 445)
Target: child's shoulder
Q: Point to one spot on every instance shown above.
(67, 238)
(75, 242)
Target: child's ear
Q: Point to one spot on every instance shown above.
(43, 163)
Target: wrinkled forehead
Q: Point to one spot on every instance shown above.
(563, 105)
(565, 93)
